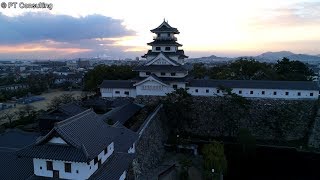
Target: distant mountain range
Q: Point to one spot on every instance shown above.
(274, 56)
(264, 57)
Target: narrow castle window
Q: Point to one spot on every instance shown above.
(49, 165)
(67, 167)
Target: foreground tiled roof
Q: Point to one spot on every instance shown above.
(114, 168)
(86, 135)
(123, 113)
(117, 84)
(71, 109)
(14, 168)
(257, 84)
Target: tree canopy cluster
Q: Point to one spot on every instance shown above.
(102, 72)
(250, 69)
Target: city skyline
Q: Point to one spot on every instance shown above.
(120, 29)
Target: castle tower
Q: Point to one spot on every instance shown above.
(165, 42)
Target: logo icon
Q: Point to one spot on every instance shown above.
(4, 5)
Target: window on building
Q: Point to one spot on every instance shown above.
(126, 92)
(173, 74)
(207, 90)
(163, 73)
(299, 93)
(240, 92)
(218, 91)
(49, 165)
(95, 160)
(168, 34)
(287, 93)
(148, 73)
(263, 92)
(106, 150)
(251, 92)
(158, 48)
(67, 167)
(274, 93)
(77, 171)
(167, 48)
(311, 94)
(196, 90)
(40, 167)
(175, 86)
(117, 92)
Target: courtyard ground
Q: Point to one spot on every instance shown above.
(39, 105)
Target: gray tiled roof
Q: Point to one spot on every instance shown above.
(125, 138)
(180, 53)
(165, 68)
(123, 113)
(114, 168)
(86, 135)
(117, 84)
(164, 42)
(71, 109)
(15, 168)
(257, 84)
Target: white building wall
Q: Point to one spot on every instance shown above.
(123, 176)
(163, 48)
(79, 170)
(256, 93)
(117, 92)
(161, 90)
(132, 149)
(57, 140)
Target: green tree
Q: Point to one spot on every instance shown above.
(59, 100)
(95, 77)
(214, 158)
(293, 70)
(199, 71)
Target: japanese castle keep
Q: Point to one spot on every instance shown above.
(164, 71)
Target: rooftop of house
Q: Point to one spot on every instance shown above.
(85, 134)
(117, 84)
(165, 27)
(122, 113)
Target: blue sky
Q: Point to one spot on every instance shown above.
(121, 28)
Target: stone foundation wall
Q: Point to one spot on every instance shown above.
(267, 119)
(150, 146)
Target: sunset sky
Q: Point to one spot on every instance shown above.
(121, 28)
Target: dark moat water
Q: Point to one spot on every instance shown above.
(272, 163)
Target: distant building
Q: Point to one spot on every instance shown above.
(14, 87)
(164, 71)
(47, 121)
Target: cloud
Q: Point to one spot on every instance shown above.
(299, 14)
(32, 27)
